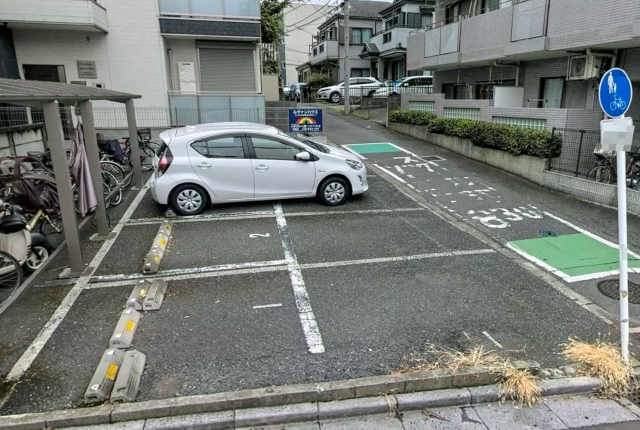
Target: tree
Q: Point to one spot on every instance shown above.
(318, 80)
(272, 16)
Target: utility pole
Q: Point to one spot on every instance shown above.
(347, 68)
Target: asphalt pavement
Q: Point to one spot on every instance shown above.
(271, 294)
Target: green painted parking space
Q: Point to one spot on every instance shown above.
(573, 256)
(372, 148)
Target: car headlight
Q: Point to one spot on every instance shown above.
(355, 165)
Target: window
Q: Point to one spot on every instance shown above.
(427, 20)
(392, 22)
(452, 13)
(315, 51)
(221, 147)
(358, 73)
(360, 35)
(386, 38)
(414, 20)
(491, 5)
(269, 149)
(321, 48)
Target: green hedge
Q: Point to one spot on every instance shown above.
(514, 140)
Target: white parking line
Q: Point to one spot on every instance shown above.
(25, 361)
(246, 215)
(268, 266)
(274, 305)
(393, 175)
(169, 274)
(399, 169)
(495, 342)
(307, 318)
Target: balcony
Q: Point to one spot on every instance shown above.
(392, 42)
(215, 19)
(528, 30)
(78, 15)
(325, 50)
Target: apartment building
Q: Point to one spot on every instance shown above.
(175, 53)
(327, 52)
(387, 50)
(301, 22)
(539, 59)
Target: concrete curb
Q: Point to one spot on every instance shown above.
(357, 390)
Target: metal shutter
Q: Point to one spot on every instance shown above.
(227, 70)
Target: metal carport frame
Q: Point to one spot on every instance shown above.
(47, 96)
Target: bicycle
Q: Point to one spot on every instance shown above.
(604, 171)
(11, 276)
(618, 103)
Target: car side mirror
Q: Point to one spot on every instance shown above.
(303, 156)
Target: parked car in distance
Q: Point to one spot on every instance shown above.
(295, 91)
(358, 87)
(410, 85)
(237, 162)
(286, 90)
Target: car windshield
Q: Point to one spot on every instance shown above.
(315, 145)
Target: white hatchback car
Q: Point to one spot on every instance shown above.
(358, 87)
(237, 162)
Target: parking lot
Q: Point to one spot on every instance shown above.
(287, 292)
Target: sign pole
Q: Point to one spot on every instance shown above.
(622, 242)
(615, 95)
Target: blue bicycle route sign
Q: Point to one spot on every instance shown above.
(615, 93)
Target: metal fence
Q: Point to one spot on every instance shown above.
(577, 156)
(152, 118)
(11, 116)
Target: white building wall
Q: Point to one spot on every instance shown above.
(303, 21)
(182, 50)
(129, 59)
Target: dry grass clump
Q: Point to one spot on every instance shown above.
(444, 358)
(519, 385)
(602, 360)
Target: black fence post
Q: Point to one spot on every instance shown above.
(579, 152)
(553, 132)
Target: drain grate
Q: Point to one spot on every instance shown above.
(432, 158)
(611, 289)
(548, 233)
(634, 393)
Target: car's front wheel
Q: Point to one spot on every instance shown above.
(333, 191)
(189, 199)
(335, 98)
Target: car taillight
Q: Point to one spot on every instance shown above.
(165, 162)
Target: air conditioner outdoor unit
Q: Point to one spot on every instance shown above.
(583, 67)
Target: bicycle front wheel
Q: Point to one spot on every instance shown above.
(146, 158)
(600, 174)
(10, 276)
(111, 183)
(51, 227)
(116, 170)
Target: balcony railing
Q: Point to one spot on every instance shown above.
(246, 9)
(394, 27)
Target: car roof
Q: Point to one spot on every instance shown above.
(224, 127)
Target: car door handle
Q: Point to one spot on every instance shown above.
(203, 165)
(262, 167)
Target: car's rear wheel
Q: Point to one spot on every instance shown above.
(335, 98)
(333, 191)
(189, 199)
(372, 93)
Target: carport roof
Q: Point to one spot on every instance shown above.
(16, 90)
